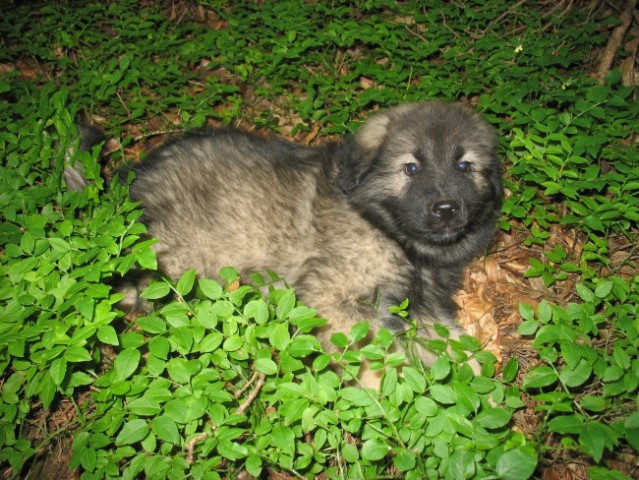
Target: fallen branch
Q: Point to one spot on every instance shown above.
(615, 41)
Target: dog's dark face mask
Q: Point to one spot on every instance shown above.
(432, 181)
(448, 190)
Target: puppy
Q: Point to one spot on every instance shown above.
(395, 211)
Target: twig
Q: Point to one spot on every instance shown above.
(191, 446)
(155, 133)
(552, 23)
(496, 21)
(128, 112)
(506, 13)
(261, 379)
(412, 32)
(241, 391)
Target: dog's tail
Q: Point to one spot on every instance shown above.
(74, 174)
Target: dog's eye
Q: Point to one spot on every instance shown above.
(411, 169)
(464, 167)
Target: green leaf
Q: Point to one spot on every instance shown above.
(461, 464)
(595, 437)
(585, 293)
(145, 256)
(632, 422)
(356, 396)
(373, 352)
(58, 370)
(566, 424)
(233, 343)
(257, 309)
(181, 370)
(232, 451)
(166, 429)
(126, 363)
(229, 275)
(211, 288)
(528, 327)
(350, 452)
(572, 354)
(443, 394)
(254, 465)
(186, 282)
(593, 403)
(160, 347)
(108, 335)
(301, 315)
(85, 306)
(404, 460)
(414, 379)
(544, 311)
(359, 331)
(603, 289)
(210, 342)
(526, 311)
(59, 245)
(467, 398)
(285, 304)
(321, 362)
(494, 418)
(223, 309)
(540, 377)
(183, 339)
(266, 366)
(389, 382)
(339, 339)
(603, 473)
(132, 432)
(47, 390)
(186, 410)
(279, 336)
(88, 459)
(516, 464)
(511, 369)
(462, 425)
(631, 425)
(156, 290)
(440, 368)
(374, 450)
(621, 357)
(577, 376)
(426, 406)
(77, 354)
(151, 324)
(144, 407)
(284, 439)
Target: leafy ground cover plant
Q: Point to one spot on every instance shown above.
(223, 380)
(239, 383)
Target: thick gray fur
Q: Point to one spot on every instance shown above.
(395, 211)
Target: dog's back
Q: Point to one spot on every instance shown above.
(225, 197)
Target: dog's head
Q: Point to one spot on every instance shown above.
(428, 175)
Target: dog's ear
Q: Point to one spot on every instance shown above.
(372, 134)
(360, 152)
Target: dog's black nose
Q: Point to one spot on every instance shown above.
(445, 210)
